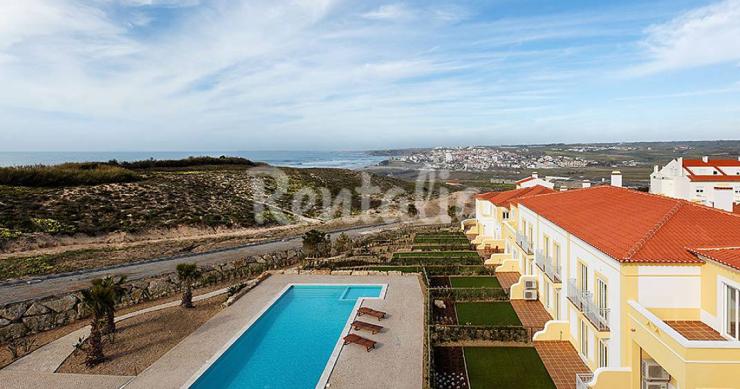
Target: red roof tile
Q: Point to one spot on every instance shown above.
(633, 226)
(713, 178)
(711, 163)
(729, 256)
(504, 199)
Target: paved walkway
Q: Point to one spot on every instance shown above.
(507, 279)
(396, 363)
(37, 368)
(562, 362)
(57, 284)
(532, 314)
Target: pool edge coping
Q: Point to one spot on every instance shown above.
(331, 362)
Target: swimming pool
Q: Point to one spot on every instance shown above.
(289, 345)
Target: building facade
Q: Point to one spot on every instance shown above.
(644, 287)
(712, 182)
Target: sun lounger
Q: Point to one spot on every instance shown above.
(361, 325)
(370, 312)
(357, 339)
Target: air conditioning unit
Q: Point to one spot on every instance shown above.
(530, 284)
(654, 385)
(653, 372)
(530, 294)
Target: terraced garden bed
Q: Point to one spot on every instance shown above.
(506, 367)
(487, 314)
(474, 282)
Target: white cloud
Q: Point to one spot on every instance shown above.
(705, 36)
(388, 12)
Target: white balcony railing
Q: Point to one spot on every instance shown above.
(539, 259)
(523, 242)
(546, 264)
(583, 380)
(583, 300)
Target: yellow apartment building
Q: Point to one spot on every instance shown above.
(645, 287)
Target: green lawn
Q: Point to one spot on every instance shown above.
(487, 314)
(506, 368)
(474, 282)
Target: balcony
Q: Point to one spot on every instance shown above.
(546, 265)
(583, 300)
(583, 380)
(523, 242)
(680, 351)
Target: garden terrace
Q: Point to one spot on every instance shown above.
(515, 367)
(498, 313)
(474, 282)
(441, 246)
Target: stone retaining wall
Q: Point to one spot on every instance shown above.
(28, 317)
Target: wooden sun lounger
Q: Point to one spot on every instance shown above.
(357, 339)
(361, 325)
(370, 312)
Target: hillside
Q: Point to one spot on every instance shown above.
(166, 196)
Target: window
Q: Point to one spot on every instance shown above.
(583, 338)
(582, 276)
(546, 243)
(556, 254)
(732, 310)
(602, 298)
(556, 297)
(546, 293)
(603, 353)
(506, 215)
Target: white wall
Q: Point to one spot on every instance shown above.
(669, 286)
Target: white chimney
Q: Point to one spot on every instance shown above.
(586, 184)
(723, 198)
(617, 178)
(705, 159)
(656, 169)
(534, 174)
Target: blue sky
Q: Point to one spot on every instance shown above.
(332, 74)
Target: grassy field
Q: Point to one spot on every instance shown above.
(487, 314)
(506, 368)
(474, 282)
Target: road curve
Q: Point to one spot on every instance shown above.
(56, 284)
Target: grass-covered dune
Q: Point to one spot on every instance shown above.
(97, 198)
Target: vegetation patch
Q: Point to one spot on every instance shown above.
(506, 367)
(68, 174)
(487, 314)
(474, 282)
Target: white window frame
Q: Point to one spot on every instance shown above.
(726, 291)
(583, 339)
(603, 353)
(602, 297)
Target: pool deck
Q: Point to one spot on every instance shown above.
(397, 361)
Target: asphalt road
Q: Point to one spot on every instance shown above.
(56, 284)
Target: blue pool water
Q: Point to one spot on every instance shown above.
(290, 344)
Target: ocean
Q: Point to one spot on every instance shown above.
(329, 159)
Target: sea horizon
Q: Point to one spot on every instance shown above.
(286, 158)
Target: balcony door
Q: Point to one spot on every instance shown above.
(732, 312)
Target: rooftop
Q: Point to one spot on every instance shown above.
(729, 256)
(504, 199)
(633, 226)
(718, 173)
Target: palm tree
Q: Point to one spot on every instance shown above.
(98, 298)
(116, 285)
(188, 273)
(315, 243)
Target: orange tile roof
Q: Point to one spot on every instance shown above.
(713, 178)
(711, 163)
(729, 256)
(632, 226)
(504, 199)
(736, 208)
